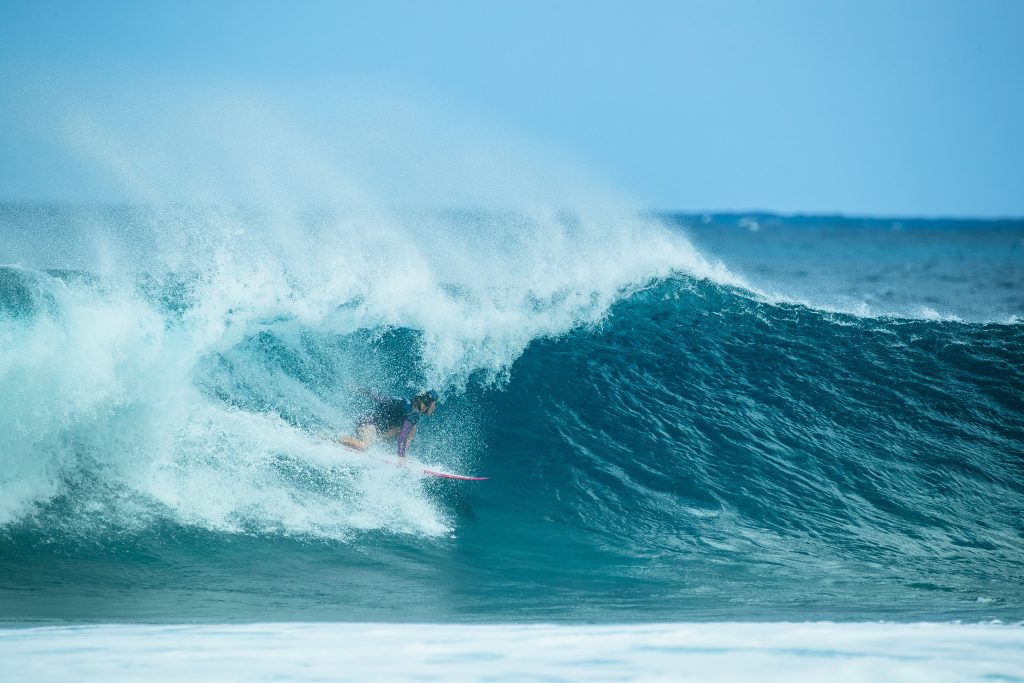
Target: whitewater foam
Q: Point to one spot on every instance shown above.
(444, 652)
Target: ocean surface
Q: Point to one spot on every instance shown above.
(706, 418)
(932, 653)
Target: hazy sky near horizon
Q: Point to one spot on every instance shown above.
(896, 107)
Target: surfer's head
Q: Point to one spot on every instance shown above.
(426, 402)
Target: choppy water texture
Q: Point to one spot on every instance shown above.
(683, 418)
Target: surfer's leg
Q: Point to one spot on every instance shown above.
(366, 435)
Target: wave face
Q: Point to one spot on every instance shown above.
(672, 431)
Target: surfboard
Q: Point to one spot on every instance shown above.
(446, 475)
(412, 462)
(434, 473)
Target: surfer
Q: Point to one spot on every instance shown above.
(392, 416)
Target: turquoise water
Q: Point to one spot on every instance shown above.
(684, 418)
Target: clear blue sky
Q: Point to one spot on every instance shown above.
(862, 107)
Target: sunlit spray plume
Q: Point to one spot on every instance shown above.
(142, 388)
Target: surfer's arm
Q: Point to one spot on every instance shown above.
(405, 437)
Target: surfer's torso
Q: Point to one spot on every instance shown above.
(391, 413)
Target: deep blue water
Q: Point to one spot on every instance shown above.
(683, 417)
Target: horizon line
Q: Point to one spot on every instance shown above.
(659, 212)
